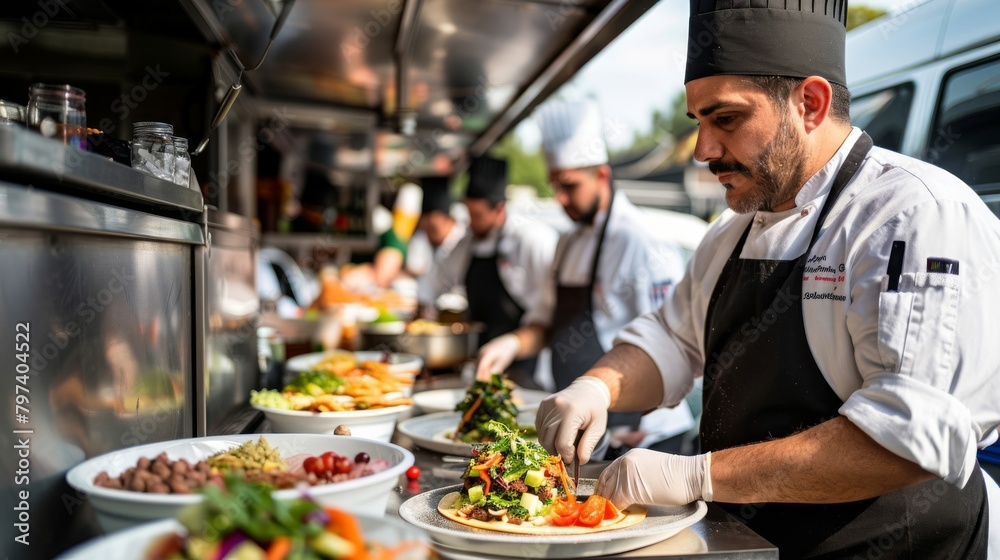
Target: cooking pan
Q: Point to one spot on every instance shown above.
(441, 345)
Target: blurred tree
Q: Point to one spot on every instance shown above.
(858, 15)
(524, 167)
(673, 121)
(679, 123)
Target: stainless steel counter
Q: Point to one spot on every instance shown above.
(715, 536)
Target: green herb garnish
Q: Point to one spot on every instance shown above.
(315, 383)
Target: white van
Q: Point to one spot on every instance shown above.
(926, 83)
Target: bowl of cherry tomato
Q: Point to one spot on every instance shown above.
(350, 473)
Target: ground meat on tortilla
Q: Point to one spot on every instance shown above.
(519, 486)
(479, 513)
(544, 493)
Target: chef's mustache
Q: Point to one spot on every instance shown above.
(718, 166)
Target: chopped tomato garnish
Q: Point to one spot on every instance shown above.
(610, 511)
(565, 505)
(565, 511)
(592, 512)
(565, 520)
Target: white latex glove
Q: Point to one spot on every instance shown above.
(496, 355)
(644, 476)
(581, 406)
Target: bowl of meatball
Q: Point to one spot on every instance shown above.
(155, 481)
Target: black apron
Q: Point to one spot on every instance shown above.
(573, 335)
(491, 304)
(762, 382)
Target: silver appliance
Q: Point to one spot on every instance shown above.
(100, 267)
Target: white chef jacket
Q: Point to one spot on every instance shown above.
(439, 277)
(918, 369)
(524, 258)
(637, 269)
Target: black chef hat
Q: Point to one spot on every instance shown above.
(437, 194)
(317, 190)
(487, 179)
(794, 38)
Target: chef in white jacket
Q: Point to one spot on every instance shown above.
(509, 260)
(608, 270)
(842, 315)
(444, 240)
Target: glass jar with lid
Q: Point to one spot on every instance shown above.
(59, 111)
(11, 113)
(182, 167)
(153, 149)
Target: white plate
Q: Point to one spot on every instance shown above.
(660, 523)
(130, 543)
(433, 431)
(375, 423)
(444, 400)
(117, 509)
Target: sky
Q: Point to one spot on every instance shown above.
(643, 70)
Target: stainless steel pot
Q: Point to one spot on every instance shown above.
(441, 346)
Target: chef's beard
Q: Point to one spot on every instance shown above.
(777, 173)
(590, 214)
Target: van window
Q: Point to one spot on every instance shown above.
(964, 139)
(883, 115)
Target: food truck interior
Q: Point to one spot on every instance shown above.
(136, 291)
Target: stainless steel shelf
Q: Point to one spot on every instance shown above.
(28, 156)
(35, 209)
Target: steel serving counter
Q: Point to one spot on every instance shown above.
(102, 292)
(716, 536)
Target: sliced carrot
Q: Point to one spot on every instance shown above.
(485, 475)
(279, 548)
(468, 415)
(565, 479)
(347, 526)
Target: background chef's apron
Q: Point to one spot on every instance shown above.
(573, 336)
(491, 304)
(762, 382)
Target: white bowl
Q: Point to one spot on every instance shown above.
(117, 509)
(375, 423)
(387, 531)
